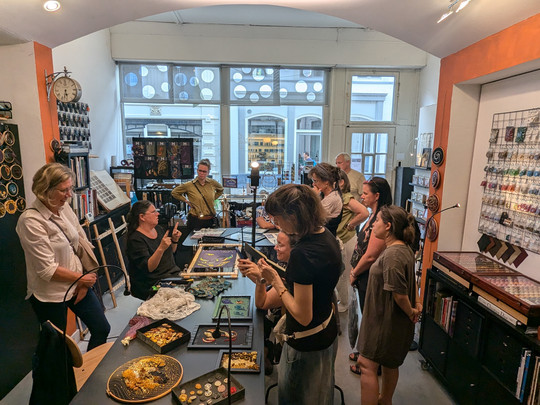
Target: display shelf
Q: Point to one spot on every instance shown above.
(419, 185)
(476, 351)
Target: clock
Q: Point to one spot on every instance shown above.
(67, 90)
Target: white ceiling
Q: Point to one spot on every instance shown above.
(413, 21)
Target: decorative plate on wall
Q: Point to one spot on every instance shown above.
(432, 231)
(438, 156)
(433, 203)
(435, 179)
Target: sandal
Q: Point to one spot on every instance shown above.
(355, 368)
(354, 356)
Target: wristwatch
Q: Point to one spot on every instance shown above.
(262, 280)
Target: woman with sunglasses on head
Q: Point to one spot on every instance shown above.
(150, 249)
(51, 237)
(306, 367)
(376, 194)
(392, 306)
(325, 178)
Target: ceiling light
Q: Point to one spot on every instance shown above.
(445, 16)
(51, 5)
(462, 5)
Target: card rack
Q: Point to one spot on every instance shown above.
(511, 186)
(74, 124)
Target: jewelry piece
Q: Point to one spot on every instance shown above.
(12, 189)
(16, 171)
(21, 204)
(9, 138)
(3, 192)
(11, 206)
(2, 210)
(5, 172)
(262, 280)
(283, 292)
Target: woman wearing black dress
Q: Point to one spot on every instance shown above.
(150, 249)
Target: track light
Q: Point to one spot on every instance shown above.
(461, 6)
(51, 5)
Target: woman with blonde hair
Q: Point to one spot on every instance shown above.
(50, 236)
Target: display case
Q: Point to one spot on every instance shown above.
(470, 334)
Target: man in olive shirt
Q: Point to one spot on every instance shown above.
(343, 161)
(200, 194)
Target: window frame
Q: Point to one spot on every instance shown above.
(360, 72)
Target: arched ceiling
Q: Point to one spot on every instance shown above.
(412, 21)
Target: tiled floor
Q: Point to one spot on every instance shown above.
(415, 385)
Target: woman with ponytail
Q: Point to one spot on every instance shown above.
(325, 179)
(391, 309)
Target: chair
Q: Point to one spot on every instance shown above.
(337, 387)
(90, 360)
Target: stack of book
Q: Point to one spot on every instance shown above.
(534, 395)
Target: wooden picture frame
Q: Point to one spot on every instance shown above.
(202, 260)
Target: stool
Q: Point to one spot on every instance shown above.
(337, 387)
(90, 361)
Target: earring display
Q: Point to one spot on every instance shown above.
(11, 174)
(511, 184)
(74, 123)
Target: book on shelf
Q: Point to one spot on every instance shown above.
(523, 370)
(534, 397)
(440, 305)
(497, 310)
(453, 318)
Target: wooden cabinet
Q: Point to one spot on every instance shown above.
(476, 353)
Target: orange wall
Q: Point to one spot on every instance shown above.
(511, 47)
(49, 121)
(49, 117)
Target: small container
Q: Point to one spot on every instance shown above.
(186, 336)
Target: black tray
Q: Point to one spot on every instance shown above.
(209, 378)
(241, 370)
(169, 346)
(243, 339)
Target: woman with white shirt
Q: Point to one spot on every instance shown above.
(49, 232)
(325, 179)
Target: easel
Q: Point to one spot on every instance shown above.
(98, 237)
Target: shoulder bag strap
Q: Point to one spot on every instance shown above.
(204, 199)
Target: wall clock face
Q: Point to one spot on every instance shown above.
(67, 90)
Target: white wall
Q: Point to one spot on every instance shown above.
(89, 60)
(429, 81)
(515, 93)
(202, 43)
(19, 86)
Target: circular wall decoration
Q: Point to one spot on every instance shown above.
(2, 138)
(16, 171)
(433, 203)
(5, 172)
(2, 210)
(12, 188)
(9, 138)
(21, 204)
(3, 192)
(9, 155)
(438, 156)
(11, 207)
(435, 179)
(1, 156)
(432, 230)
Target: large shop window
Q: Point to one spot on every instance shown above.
(275, 114)
(372, 98)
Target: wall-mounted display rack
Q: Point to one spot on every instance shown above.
(511, 187)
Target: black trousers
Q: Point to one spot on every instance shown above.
(195, 223)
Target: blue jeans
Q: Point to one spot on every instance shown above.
(306, 377)
(88, 309)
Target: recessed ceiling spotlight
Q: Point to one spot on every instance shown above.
(462, 5)
(51, 5)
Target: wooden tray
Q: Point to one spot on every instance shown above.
(467, 264)
(117, 389)
(243, 339)
(257, 365)
(239, 306)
